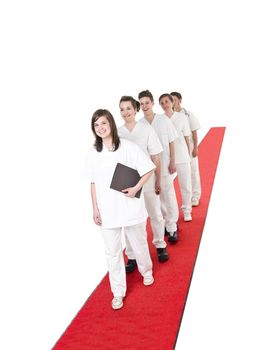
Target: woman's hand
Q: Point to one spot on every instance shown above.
(96, 217)
(131, 191)
(195, 152)
(171, 167)
(157, 187)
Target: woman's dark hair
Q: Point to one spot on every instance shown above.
(135, 104)
(177, 94)
(114, 133)
(166, 95)
(146, 93)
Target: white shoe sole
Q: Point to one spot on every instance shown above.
(148, 283)
(117, 307)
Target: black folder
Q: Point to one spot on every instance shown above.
(125, 177)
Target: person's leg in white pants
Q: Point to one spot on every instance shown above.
(136, 237)
(195, 175)
(169, 204)
(115, 260)
(184, 180)
(153, 207)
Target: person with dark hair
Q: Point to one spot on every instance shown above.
(194, 126)
(145, 137)
(182, 153)
(167, 135)
(114, 210)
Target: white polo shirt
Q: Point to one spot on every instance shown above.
(166, 133)
(115, 208)
(180, 122)
(145, 137)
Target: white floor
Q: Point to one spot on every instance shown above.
(60, 61)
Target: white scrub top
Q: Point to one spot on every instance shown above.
(180, 122)
(166, 133)
(193, 123)
(115, 208)
(145, 137)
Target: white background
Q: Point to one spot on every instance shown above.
(60, 61)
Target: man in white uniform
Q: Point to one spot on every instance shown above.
(194, 126)
(167, 135)
(182, 153)
(145, 137)
(114, 210)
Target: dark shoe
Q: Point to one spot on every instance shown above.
(162, 254)
(166, 233)
(173, 237)
(131, 265)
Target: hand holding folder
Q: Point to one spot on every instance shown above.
(125, 177)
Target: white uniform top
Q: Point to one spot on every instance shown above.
(180, 122)
(145, 137)
(166, 134)
(115, 208)
(193, 123)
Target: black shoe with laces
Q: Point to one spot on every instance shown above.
(131, 265)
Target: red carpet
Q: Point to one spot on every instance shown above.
(151, 316)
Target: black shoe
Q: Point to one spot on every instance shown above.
(166, 233)
(173, 237)
(131, 265)
(162, 254)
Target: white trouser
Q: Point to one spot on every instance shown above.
(153, 207)
(169, 204)
(137, 237)
(184, 179)
(196, 183)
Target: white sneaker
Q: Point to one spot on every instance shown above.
(148, 280)
(117, 303)
(187, 217)
(195, 202)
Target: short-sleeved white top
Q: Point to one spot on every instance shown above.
(115, 208)
(166, 133)
(145, 137)
(192, 119)
(180, 122)
(193, 123)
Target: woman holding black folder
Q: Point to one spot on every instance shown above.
(112, 209)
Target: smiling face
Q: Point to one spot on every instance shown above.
(146, 104)
(166, 104)
(102, 127)
(128, 112)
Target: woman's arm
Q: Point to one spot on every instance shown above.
(157, 162)
(96, 212)
(171, 166)
(195, 141)
(131, 191)
(187, 140)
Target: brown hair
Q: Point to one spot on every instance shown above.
(135, 104)
(114, 133)
(146, 93)
(166, 95)
(177, 94)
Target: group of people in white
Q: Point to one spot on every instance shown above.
(157, 146)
